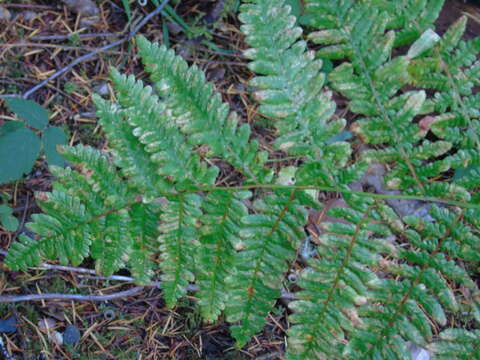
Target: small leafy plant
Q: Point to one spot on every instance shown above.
(7, 220)
(22, 141)
(393, 267)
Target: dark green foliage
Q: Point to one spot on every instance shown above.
(52, 137)
(7, 220)
(20, 145)
(35, 115)
(18, 151)
(384, 276)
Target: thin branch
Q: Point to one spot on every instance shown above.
(45, 266)
(77, 61)
(54, 46)
(39, 297)
(339, 190)
(76, 34)
(10, 299)
(31, 6)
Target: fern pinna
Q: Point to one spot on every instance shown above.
(383, 276)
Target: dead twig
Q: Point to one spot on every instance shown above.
(79, 270)
(69, 36)
(31, 6)
(54, 46)
(39, 297)
(7, 299)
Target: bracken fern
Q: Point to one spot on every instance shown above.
(383, 276)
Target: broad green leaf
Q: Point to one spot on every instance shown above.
(7, 220)
(18, 151)
(5, 210)
(52, 137)
(10, 126)
(35, 115)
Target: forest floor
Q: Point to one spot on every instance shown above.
(36, 40)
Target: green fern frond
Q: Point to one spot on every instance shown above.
(410, 18)
(112, 248)
(128, 152)
(338, 20)
(99, 173)
(23, 253)
(289, 85)
(221, 224)
(388, 269)
(178, 244)
(346, 310)
(72, 225)
(334, 285)
(371, 82)
(424, 291)
(457, 344)
(270, 238)
(452, 69)
(165, 145)
(199, 111)
(144, 232)
(110, 228)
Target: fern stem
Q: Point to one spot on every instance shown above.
(338, 190)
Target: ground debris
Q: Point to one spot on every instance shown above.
(4, 14)
(83, 7)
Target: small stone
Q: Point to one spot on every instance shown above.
(4, 14)
(216, 74)
(57, 338)
(83, 7)
(71, 335)
(102, 89)
(419, 353)
(174, 28)
(9, 325)
(46, 325)
(29, 15)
